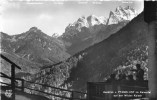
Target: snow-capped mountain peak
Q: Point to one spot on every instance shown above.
(121, 14)
(87, 22)
(94, 23)
(94, 20)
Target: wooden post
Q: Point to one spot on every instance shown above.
(88, 91)
(72, 95)
(22, 88)
(13, 81)
(152, 72)
(150, 16)
(13, 65)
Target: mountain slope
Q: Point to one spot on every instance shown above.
(125, 48)
(35, 46)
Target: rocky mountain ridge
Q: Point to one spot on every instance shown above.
(121, 14)
(87, 31)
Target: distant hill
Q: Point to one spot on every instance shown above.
(34, 45)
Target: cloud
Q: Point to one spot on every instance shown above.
(6, 5)
(45, 17)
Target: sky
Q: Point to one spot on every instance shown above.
(51, 17)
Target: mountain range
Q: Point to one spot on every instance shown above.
(87, 31)
(122, 50)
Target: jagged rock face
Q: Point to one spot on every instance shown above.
(77, 27)
(35, 46)
(121, 14)
(88, 31)
(88, 22)
(124, 48)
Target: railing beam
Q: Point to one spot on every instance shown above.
(5, 58)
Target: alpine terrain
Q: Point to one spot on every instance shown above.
(87, 31)
(122, 50)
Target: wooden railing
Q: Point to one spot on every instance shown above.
(25, 85)
(24, 88)
(12, 78)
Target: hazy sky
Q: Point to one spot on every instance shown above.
(53, 17)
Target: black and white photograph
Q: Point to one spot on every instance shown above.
(78, 50)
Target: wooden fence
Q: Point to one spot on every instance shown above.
(25, 85)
